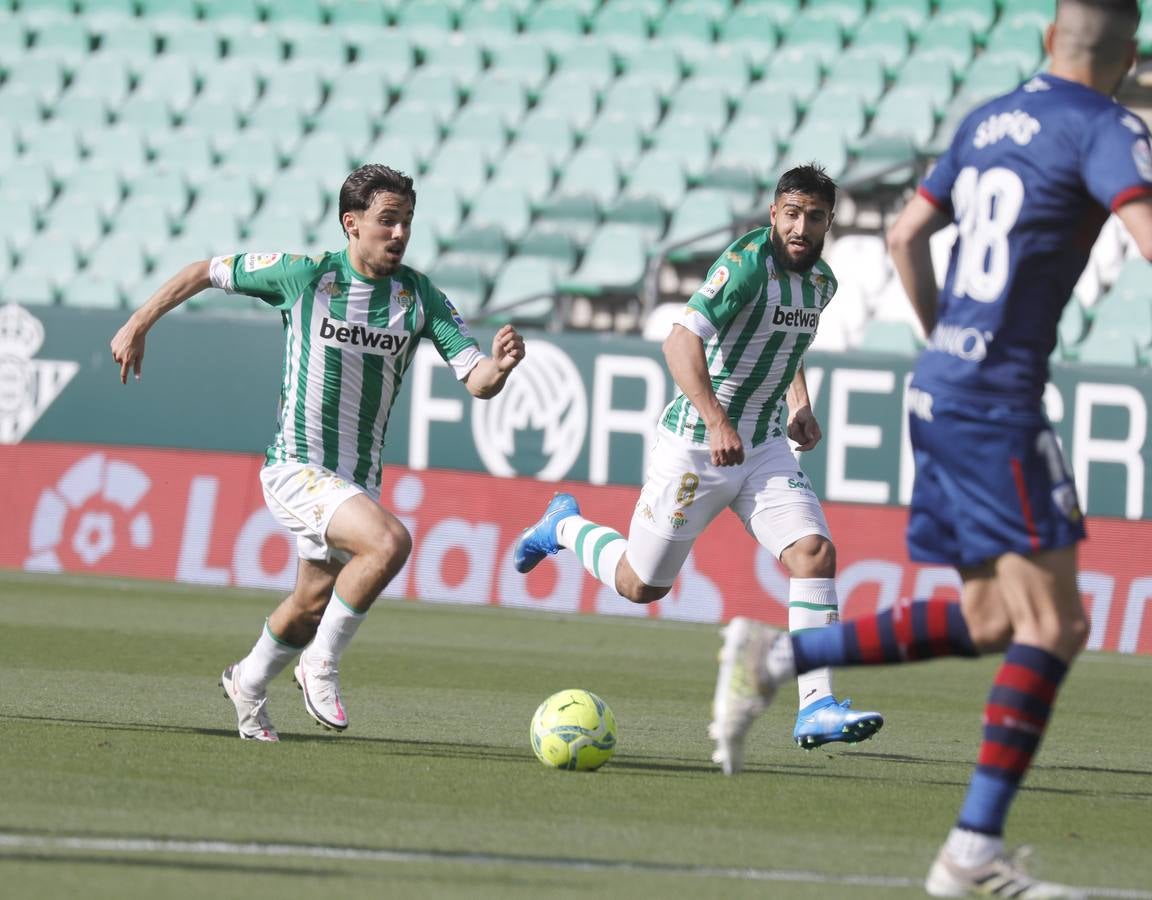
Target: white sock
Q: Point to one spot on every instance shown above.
(971, 848)
(268, 657)
(336, 629)
(599, 548)
(812, 604)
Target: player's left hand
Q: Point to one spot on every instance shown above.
(804, 429)
(507, 348)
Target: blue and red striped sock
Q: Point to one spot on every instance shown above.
(1015, 717)
(910, 630)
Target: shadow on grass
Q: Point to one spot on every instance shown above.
(184, 865)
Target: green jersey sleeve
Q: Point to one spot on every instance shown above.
(276, 278)
(447, 330)
(734, 280)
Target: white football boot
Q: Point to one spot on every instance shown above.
(251, 714)
(743, 689)
(1003, 876)
(320, 682)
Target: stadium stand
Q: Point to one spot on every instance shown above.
(580, 146)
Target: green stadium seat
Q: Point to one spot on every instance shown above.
(905, 112)
(846, 13)
(15, 38)
(693, 149)
(184, 150)
(593, 63)
(1072, 328)
(751, 143)
(1020, 42)
(1037, 13)
(130, 38)
(988, 76)
(740, 182)
(92, 291)
(154, 114)
(690, 27)
(523, 291)
(614, 262)
(256, 43)
(499, 94)
(549, 132)
(767, 101)
(358, 18)
(233, 13)
(701, 227)
(820, 39)
(911, 13)
(884, 39)
(170, 78)
(438, 206)
(50, 259)
(82, 110)
(526, 60)
(108, 78)
(1108, 346)
(433, 91)
(77, 216)
(555, 24)
(571, 97)
(578, 215)
(55, 145)
(395, 152)
(423, 247)
(818, 141)
(1133, 281)
(837, 110)
(297, 17)
(461, 163)
(697, 105)
(200, 43)
(979, 15)
(500, 206)
(728, 69)
(750, 24)
(457, 54)
(555, 245)
(484, 127)
(420, 130)
(638, 100)
(208, 116)
(47, 12)
(118, 258)
(388, 55)
(272, 231)
(463, 282)
(591, 172)
(623, 25)
(860, 76)
(318, 46)
(42, 77)
(482, 244)
(215, 221)
(9, 147)
(659, 64)
(292, 196)
(258, 154)
(168, 12)
(882, 160)
(618, 136)
(489, 21)
(68, 41)
(950, 40)
(648, 214)
(928, 75)
(426, 19)
(798, 73)
(525, 168)
(657, 176)
(122, 147)
(228, 188)
(891, 337)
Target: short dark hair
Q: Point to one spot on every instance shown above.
(807, 179)
(362, 185)
(1126, 8)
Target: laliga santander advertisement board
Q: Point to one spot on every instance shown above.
(199, 517)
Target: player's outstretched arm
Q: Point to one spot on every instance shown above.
(912, 256)
(1137, 218)
(488, 376)
(128, 343)
(684, 352)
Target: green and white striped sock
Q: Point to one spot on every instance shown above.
(598, 547)
(812, 604)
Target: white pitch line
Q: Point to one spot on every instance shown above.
(361, 854)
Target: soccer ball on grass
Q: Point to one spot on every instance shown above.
(574, 730)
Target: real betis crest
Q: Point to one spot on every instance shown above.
(27, 386)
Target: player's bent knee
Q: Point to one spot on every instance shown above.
(646, 593)
(812, 556)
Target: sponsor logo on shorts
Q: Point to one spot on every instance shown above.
(254, 262)
(800, 482)
(678, 519)
(795, 319)
(341, 335)
(712, 286)
(1064, 496)
(645, 511)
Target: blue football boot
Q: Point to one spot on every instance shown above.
(539, 540)
(826, 721)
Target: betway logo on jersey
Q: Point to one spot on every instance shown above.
(805, 320)
(1017, 125)
(342, 335)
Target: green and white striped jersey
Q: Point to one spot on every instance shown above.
(756, 319)
(348, 341)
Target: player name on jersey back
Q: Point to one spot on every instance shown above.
(342, 335)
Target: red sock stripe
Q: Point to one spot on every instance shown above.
(1025, 505)
(1010, 759)
(1026, 681)
(936, 615)
(1011, 716)
(868, 637)
(903, 627)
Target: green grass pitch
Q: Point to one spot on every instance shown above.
(121, 775)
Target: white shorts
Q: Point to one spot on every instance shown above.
(303, 497)
(683, 492)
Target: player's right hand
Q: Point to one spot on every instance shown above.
(726, 444)
(128, 350)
